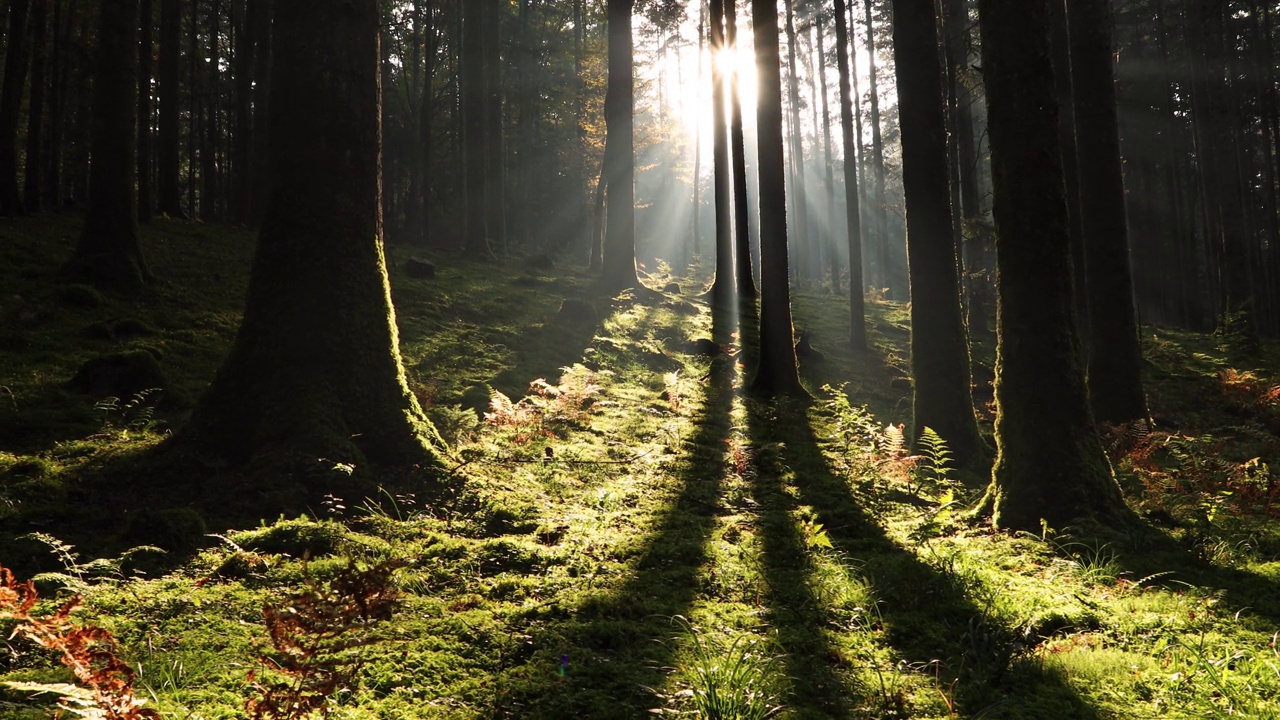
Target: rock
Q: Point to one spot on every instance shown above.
(672, 287)
(80, 296)
(574, 311)
(705, 347)
(541, 261)
(121, 375)
(420, 268)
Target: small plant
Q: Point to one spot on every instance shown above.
(105, 690)
(137, 413)
(933, 463)
(316, 635)
(723, 681)
(78, 576)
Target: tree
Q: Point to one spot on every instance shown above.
(722, 289)
(620, 162)
(939, 349)
(474, 123)
(33, 180)
(879, 222)
(737, 144)
(169, 91)
(853, 210)
(145, 53)
(1050, 465)
(15, 79)
(1115, 357)
(315, 369)
(777, 373)
(108, 253)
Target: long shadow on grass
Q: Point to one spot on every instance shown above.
(618, 641)
(927, 617)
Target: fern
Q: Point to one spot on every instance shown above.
(933, 466)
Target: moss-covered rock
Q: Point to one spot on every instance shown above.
(121, 374)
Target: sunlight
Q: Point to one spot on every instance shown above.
(687, 80)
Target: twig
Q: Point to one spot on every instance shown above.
(12, 398)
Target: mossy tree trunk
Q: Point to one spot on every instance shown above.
(620, 168)
(939, 349)
(852, 194)
(315, 370)
(777, 373)
(108, 253)
(1115, 357)
(1050, 464)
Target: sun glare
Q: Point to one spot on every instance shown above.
(692, 88)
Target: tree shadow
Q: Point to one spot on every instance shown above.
(619, 642)
(976, 661)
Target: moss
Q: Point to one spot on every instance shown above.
(81, 297)
(298, 537)
(119, 374)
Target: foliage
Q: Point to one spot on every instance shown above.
(105, 690)
(722, 680)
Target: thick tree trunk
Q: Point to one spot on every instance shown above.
(169, 91)
(51, 153)
(939, 349)
(210, 172)
(146, 51)
(242, 161)
(966, 170)
(315, 371)
(261, 107)
(737, 144)
(1115, 357)
(722, 290)
(777, 373)
(1064, 84)
(852, 195)
(33, 181)
(828, 236)
(108, 253)
(1050, 467)
(801, 238)
(15, 80)
(619, 112)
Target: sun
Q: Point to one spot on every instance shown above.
(687, 78)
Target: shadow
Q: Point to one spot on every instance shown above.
(976, 661)
(619, 642)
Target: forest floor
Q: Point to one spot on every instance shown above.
(621, 530)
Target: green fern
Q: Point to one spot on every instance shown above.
(934, 462)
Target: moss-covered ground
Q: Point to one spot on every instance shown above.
(622, 531)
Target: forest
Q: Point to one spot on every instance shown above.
(805, 359)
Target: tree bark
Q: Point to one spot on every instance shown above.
(1115, 357)
(722, 289)
(852, 195)
(33, 181)
(108, 253)
(169, 91)
(737, 144)
(1050, 466)
(15, 80)
(879, 227)
(146, 51)
(777, 373)
(495, 192)
(315, 371)
(619, 112)
(939, 349)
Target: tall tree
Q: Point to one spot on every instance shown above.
(777, 373)
(315, 369)
(495, 169)
(722, 289)
(1050, 466)
(828, 242)
(879, 225)
(939, 349)
(737, 144)
(33, 181)
(800, 235)
(146, 51)
(1115, 357)
(15, 80)
(967, 194)
(474, 121)
(169, 92)
(620, 170)
(852, 195)
(108, 253)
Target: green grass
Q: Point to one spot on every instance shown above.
(631, 534)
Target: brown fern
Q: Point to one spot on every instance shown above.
(92, 654)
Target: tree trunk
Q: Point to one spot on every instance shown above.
(242, 162)
(33, 182)
(259, 168)
(879, 228)
(828, 241)
(169, 91)
(15, 80)
(853, 209)
(1115, 357)
(939, 349)
(722, 290)
(737, 144)
(619, 112)
(801, 240)
(966, 170)
(1060, 43)
(108, 254)
(1050, 467)
(210, 197)
(315, 371)
(777, 373)
(146, 51)
(495, 194)
(473, 124)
